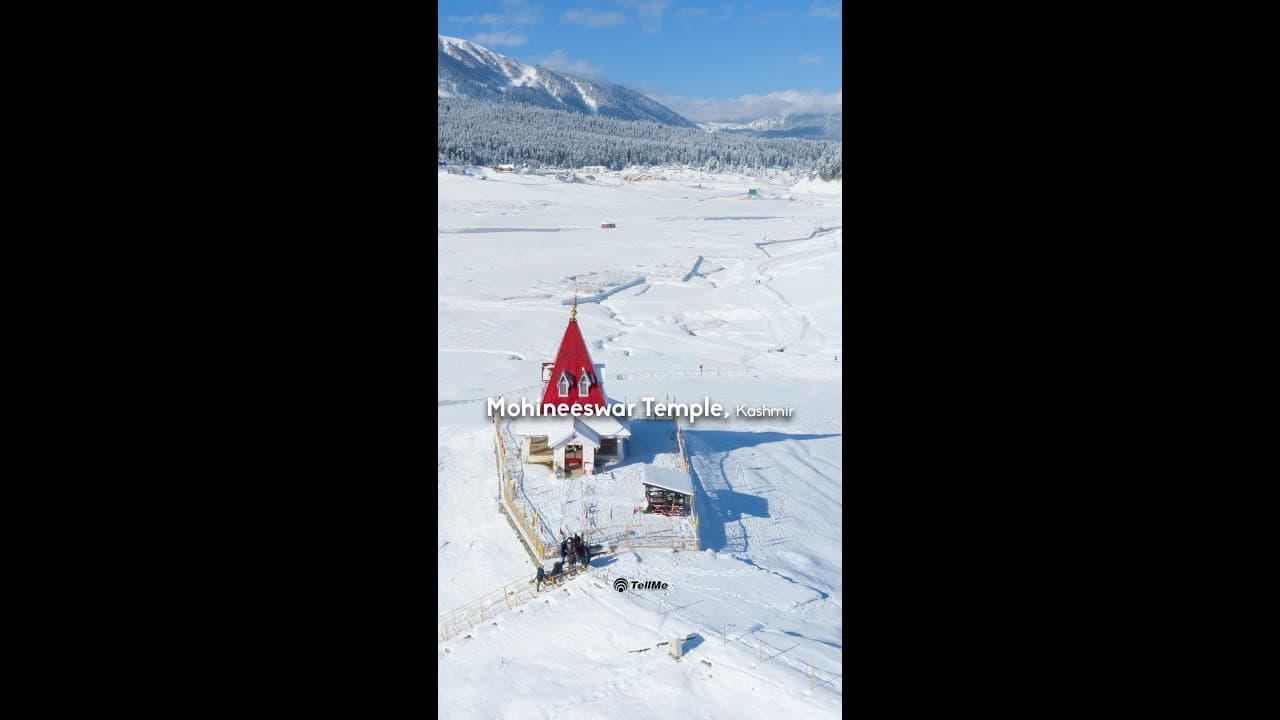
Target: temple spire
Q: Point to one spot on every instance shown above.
(573, 314)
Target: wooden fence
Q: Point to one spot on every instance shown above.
(541, 540)
(649, 533)
(466, 616)
(684, 460)
(535, 533)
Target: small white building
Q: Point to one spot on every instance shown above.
(668, 492)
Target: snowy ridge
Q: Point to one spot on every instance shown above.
(467, 69)
(811, 125)
(591, 103)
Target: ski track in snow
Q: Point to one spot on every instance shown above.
(488, 230)
(510, 353)
(765, 270)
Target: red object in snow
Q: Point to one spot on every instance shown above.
(572, 362)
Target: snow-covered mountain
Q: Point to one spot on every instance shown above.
(794, 121)
(810, 125)
(718, 126)
(470, 70)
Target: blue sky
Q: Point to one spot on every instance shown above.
(705, 59)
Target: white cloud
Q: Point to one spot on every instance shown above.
(753, 107)
(810, 59)
(651, 12)
(652, 8)
(831, 11)
(527, 18)
(501, 37)
(772, 16)
(559, 60)
(593, 19)
(514, 12)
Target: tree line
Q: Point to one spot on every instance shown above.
(488, 132)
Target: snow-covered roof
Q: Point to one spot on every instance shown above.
(557, 428)
(576, 431)
(676, 480)
(541, 425)
(563, 435)
(607, 425)
(586, 433)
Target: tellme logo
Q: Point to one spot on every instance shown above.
(621, 585)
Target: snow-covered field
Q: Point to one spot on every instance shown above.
(695, 273)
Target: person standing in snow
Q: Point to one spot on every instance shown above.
(540, 577)
(564, 549)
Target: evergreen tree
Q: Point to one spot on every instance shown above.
(488, 132)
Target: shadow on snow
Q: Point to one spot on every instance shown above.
(721, 506)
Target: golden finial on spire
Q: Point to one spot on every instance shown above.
(573, 314)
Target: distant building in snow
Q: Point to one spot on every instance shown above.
(607, 224)
(640, 175)
(595, 169)
(506, 168)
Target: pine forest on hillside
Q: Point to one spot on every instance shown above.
(486, 132)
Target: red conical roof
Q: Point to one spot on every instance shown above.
(573, 360)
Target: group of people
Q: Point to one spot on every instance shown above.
(575, 550)
(572, 548)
